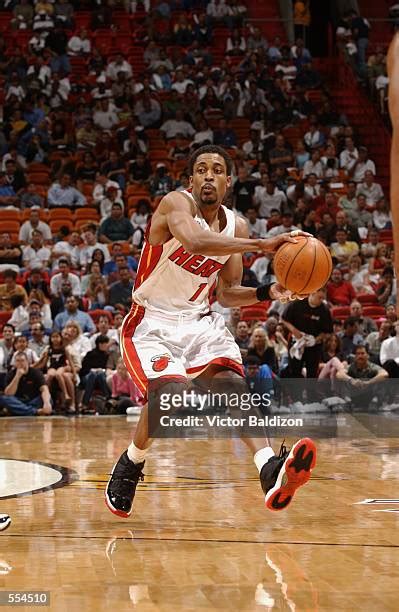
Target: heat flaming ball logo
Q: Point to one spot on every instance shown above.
(160, 362)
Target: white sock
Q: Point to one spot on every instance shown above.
(137, 455)
(262, 456)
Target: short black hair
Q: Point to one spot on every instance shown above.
(210, 149)
(101, 340)
(9, 325)
(350, 321)
(10, 274)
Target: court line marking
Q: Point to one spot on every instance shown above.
(178, 540)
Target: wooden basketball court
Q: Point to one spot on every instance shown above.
(199, 538)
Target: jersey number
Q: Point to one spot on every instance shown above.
(196, 294)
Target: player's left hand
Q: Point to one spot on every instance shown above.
(273, 244)
(278, 292)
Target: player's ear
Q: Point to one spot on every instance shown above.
(190, 181)
(228, 181)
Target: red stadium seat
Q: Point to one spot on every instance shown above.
(340, 312)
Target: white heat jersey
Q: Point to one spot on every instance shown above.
(172, 280)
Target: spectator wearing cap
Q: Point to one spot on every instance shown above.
(10, 288)
(161, 182)
(31, 224)
(62, 193)
(63, 275)
(72, 313)
(339, 291)
(116, 227)
(26, 393)
(30, 198)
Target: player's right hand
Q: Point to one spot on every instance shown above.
(271, 245)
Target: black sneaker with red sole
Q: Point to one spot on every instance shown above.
(282, 475)
(121, 487)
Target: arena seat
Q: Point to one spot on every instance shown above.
(373, 311)
(60, 213)
(56, 224)
(253, 313)
(340, 312)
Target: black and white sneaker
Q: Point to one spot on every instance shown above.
(121, 487)
(5, 521)
(281, 476)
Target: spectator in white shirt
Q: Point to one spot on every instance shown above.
(381, 216)
(91, 243)
(64, 274)
(67, 249)
(370, 189)
(217, 9)
(363, 163)
(172, 127)
(312, 188)
(349, 155)
(102, 184)
(314, 165)
(36, 255)
(33, 223)
(180, 83)
(105, 116)
(389, 354)
(267, 196)
(79, 44)
(62, 193)
(256, 227)
(118, 65)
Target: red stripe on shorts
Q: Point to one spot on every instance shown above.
(228, 363)
(129, 353)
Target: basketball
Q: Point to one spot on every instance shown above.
(303, 267)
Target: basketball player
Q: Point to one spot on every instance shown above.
(169, 335)
(393, 103)
(5, 521)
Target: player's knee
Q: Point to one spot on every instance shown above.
(162, 392)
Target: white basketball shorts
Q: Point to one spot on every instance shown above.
(155, 345)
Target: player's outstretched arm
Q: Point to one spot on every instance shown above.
(178, 211)
(229, 291)
(393, 103)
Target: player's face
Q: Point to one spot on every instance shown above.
(209, 181)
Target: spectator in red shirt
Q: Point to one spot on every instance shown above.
(339, 292)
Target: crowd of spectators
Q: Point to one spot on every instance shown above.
(87, 157)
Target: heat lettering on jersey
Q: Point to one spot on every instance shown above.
(196, 264)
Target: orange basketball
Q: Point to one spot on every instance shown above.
(303, 267)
